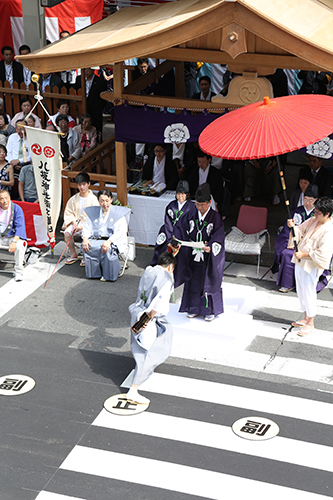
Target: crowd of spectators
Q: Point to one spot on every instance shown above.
(158, 164)
(78, 137)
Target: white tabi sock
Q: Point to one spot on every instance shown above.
(133, 395)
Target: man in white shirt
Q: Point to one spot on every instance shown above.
(160, 170)
(18, 152)
(10, 70)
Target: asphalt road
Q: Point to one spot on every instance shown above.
(72, 338)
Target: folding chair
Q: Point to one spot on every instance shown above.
(250, 233)
(125, 256)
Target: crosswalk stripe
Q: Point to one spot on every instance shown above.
(239, 397)
(221, 437)
(298, 368)
(48, 495)
(265, 300)
(174, 477)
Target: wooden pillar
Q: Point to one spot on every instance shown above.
(121, 172)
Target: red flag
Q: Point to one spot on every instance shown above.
(34, 224)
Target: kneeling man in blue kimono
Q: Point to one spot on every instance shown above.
(104, 237)
(152, 343)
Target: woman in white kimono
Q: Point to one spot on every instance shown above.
(151, 346)
(315, 249)
(104, 237)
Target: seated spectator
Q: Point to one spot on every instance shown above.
(262, 176)
(70, 142)
(203, 173)
(74, 214)
(31, 122)
(284, 247)
(2, 110)
(160, 171)
(178, 213)
(25, 110)
(320, 176)
(18, 152)
(27, 185)
(12, 230)
(141, 68)
(5, 129)
(87, 134)
(10, 70)
(49, 80)
(63, 109)
(297, 197)
(6, 171)
(205, 93)
(104, 237)
(24, 50)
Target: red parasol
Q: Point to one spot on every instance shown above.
(269, 128)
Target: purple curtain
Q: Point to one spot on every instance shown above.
(145, 125)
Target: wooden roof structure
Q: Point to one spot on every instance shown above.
(293, 34)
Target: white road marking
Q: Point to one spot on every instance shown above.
(174, 477)
(238, 397)
(221, 437)
(47, 495)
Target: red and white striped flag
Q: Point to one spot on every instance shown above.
(71, 15)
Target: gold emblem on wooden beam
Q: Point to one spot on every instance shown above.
(245, 89)
(233, 40)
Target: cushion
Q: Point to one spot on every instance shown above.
(247, 244)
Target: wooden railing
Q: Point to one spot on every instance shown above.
(99, 164)
(13, 96)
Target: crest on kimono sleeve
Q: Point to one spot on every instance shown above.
(298, 219)
(209, 229)
(171, 214)
(143, 296)
(161, 239)
(216, 248)
(191, 226)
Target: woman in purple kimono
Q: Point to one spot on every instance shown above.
(285, 250)
(177, 215)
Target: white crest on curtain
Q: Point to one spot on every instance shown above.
(176, 133)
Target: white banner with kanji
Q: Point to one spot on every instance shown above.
(45, 154)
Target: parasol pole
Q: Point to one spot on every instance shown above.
(284, 189)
